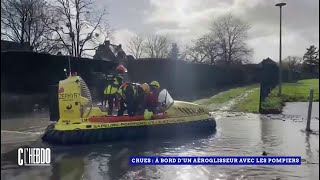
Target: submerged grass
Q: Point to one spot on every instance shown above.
(249, 103)
(228, 95)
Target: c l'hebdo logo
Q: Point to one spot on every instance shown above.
(34, 156)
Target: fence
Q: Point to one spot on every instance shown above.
(26, 76)
(186, 79)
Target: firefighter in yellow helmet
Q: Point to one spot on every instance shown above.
(152, 96)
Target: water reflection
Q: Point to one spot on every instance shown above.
(270, 134)
(119, 167)
(308, 146)
(68, 168)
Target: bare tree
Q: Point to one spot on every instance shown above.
(157, 46)
(26, 21)
(231, 34)
(194, 54)
(209, 46)
(292, 63)
(136, 46)
(204, 50)
(224, 44)
(80, 26)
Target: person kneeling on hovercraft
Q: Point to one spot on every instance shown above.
(131, 98)
(151, 101)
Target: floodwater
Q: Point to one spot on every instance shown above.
(300, 109)
(238, 134)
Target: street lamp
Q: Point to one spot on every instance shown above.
(280, 63)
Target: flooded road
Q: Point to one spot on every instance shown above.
(237, 134)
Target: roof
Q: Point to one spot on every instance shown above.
(109, 52)
(115, 49)
(268, 61)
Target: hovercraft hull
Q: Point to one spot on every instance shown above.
(89, 136)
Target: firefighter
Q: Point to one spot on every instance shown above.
(152, 97)
(140, 100)
(133, 98)
(110, 95)
(126, 99)
(113, 85)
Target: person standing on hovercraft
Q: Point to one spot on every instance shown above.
(110, 92)
(110, 95)
(152, 97)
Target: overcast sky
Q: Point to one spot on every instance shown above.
(185, 20)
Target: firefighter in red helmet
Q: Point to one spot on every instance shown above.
(112, 85)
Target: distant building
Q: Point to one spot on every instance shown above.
(14, 46)
(267, 61)
(111, 52)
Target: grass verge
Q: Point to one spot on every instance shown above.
(291, 92)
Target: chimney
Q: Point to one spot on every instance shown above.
(107, 43)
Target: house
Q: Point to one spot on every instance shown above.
(110, 52)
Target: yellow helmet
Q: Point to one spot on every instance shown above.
(145, 87)
(155, 84)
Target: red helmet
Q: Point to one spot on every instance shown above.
(121, 69)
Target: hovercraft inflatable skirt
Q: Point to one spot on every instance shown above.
(170, 130)
(78, 122)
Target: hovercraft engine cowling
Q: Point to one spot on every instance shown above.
(70, 102)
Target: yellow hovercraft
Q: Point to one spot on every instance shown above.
(79, 122)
